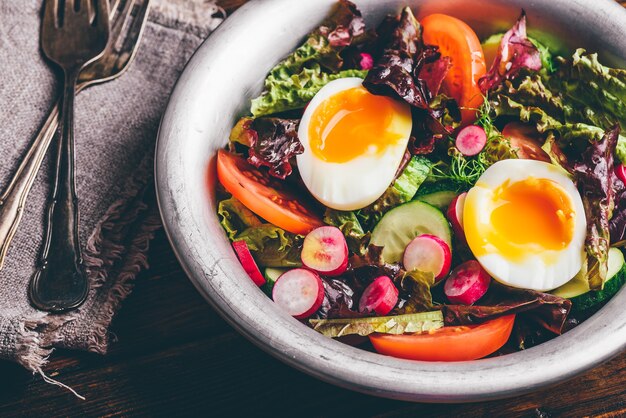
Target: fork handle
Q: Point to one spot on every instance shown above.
(13, 200)
(59, 284)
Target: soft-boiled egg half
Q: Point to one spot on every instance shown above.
(353, 142)
(525, 223)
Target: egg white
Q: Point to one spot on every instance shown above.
(356, 183)
(542, 272)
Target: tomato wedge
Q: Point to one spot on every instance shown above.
(526, 141)
(461, 343)
(264, 195)
(459, 42)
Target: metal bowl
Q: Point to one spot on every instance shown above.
(216, 88)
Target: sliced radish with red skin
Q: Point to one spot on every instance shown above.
(428, 253)
(325, 250)
(471, 140)
(467, 283)
(380, 296)
(299, 291)
(366, 62)
(620, 172)
(455, 215)
(248, 263)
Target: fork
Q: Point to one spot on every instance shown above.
(128, 18)
(73, 34)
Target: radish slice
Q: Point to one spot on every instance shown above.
(467, 283)
(299, 291)
(248, 263)
(471, 140)
(428, 253)
(367, 62)
(325, 250)
(380, 296)
(455, 215)
(620, 172)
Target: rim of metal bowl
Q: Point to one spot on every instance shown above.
(225, 72)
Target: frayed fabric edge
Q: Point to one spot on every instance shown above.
(34, 347)
(39, 333)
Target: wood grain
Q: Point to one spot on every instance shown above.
(176, 357)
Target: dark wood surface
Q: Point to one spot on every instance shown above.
(174, 356)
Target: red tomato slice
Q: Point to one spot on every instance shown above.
(526, 141)
(462, 343)
(459, 42)
(264, 195)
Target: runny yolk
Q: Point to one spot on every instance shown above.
(352, 123)
(535, 214)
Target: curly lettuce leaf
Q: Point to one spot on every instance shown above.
(516, 52)
(392, 74)
(594, 178)
(401, 191)
(272, 246)
(276, 143)
(296, 79)
(295, 91)
(351, 228)
(235, 217)
(398, 324)
(338, 300)
(547, 310)
(414, 295)
(537, 100)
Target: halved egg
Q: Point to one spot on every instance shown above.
(525, 223)
(353, 142)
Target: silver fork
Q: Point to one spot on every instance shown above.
(128, 18)
(73, 33)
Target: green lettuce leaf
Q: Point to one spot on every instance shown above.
(401, 191)
(235, 217)
(399, 324)
(296, 79)
(272, 246)
(287, 91)
(579, 102)
(349, 224)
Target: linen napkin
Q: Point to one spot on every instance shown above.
(115, 132)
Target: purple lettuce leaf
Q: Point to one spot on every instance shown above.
(617, 224)
(547, 310)
(516, 51)
(272, 141)
(392, 74)
(593, 175)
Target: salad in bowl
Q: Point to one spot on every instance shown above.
(412, 190)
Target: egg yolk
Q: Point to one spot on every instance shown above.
(534, 215)
(352, 123)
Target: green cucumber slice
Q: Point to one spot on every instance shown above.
(617, 277)
(405, 222)
(271, 274)
(441, 200)
(579, 285)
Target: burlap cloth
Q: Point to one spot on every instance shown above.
(115, 129)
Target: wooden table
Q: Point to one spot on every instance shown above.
(175, 356)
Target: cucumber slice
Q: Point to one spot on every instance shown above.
(579, 284)
(617, 277)
(441, 200)
(438, 186)
(271, 274)
(405, 222)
